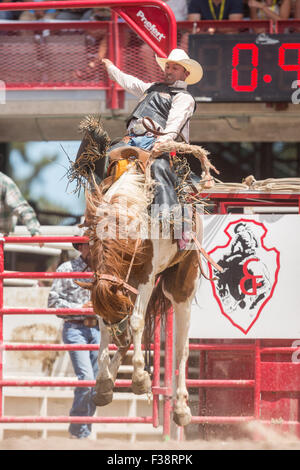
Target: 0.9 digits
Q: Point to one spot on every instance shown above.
(254, 62)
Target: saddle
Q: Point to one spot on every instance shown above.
(122, 157)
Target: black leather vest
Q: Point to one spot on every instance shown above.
(156, 104)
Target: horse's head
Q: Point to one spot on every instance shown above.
(115, 217)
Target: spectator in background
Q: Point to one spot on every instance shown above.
(215, 10)
(96, 43)
(270, 10)
(13, 206)
(38, 15)
(71, 14)
(9, 15)
(179, 7)
(78, 329)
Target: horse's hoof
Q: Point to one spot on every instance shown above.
(103, 398)
(182, 419)
(103, 392)
(142, 386)
(103, 386)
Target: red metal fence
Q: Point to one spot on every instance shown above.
(164, 390)
(244, 380)
(56, 55)
(239, 380)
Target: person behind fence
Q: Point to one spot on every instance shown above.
(270, 9)
(215, 10)
(14, 207)
(78, 329)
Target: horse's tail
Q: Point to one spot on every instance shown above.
(158, 305)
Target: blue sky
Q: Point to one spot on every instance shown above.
(52, 183)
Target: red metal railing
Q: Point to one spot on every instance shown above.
(157, 389)
(257, 375)
(39, 55)
(265, 374)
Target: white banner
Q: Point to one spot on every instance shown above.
(258, 293)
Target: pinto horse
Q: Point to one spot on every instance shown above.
(127, 261)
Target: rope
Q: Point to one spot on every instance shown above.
(250, 184)
(273, 184)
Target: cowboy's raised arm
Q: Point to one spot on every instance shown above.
(131, 84)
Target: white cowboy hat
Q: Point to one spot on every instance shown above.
(180, 57)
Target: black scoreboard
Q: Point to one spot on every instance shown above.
(247, 67)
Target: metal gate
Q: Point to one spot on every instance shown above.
(157, 389)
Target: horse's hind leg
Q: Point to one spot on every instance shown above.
(141, 382)
(182, 413)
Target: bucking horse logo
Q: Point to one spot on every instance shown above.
(250, 273)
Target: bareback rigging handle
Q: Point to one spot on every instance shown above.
(154, 131)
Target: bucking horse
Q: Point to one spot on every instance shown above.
(134, 270)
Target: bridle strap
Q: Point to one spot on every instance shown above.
(117, 280)
(208, 258)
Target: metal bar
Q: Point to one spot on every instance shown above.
(111, 55)
(58, 383)
(202, 374)
(63, 5)
(54, 275)
(42, 239)
(160, 391)
(75, 419)
(52, 26)
(222, 347)
(221, 419)
(1, 323)
(280, 25)
(60, 347)
(278, 349)
(210, 383)
(156, 371)
(257, 388)
(46, 311)
(168, 375)
(225, 24)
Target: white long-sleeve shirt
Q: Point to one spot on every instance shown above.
(182, 107)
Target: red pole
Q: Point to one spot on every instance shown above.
(1, 323)
(156, 371)
(119, 4)
(257, 386)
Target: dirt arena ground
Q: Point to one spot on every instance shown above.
(267, 439)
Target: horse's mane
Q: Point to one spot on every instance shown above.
(110, 213)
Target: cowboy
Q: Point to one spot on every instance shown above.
(169, 106)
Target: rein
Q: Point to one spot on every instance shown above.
(201, 251)
(119, 328)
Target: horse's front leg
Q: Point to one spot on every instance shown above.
(141, 382)
(108, 369)
(105, 381)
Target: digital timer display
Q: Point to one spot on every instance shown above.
(246, 67)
